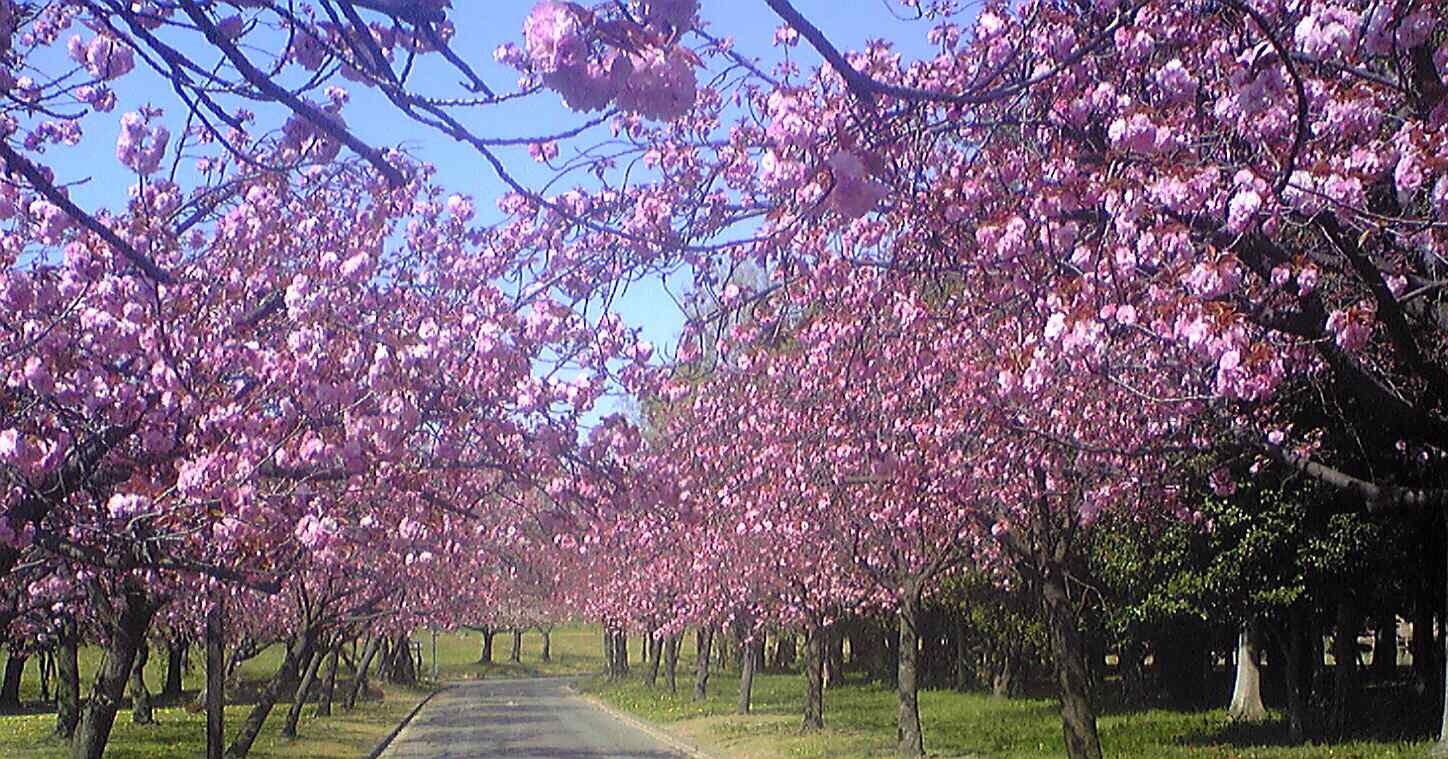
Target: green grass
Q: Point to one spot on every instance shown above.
(860, 721)
(576, 650)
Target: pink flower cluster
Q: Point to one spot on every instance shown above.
(140, 145)
(105, 57)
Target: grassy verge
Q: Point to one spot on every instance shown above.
(860, 724)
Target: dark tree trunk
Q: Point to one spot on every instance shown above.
(359, 681)
(1003, 674)
(910, 739)
(705, 642)
(329, 684)
(47, 664)
(1073, 678)
(671, 663)
(655, 649)
(515, 654)
(297, 653)
(814, 677)
(621, 652)
(835, 656)
(1425, 653)
(309, 676)
(1345, 664)
(98, 715)
(1290, 646)
(746, 674)
(175, 664)
(785, 651)
(757, 651)
(963, 664)
(67, 681)
(547, 654)
(1440, 749)
(610, 654)
(486, 656)
(215, 680)
(1385, 648)
(141, 711)
(10, 687)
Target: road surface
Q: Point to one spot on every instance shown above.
(519, 719)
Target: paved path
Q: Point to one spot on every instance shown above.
(519, 719)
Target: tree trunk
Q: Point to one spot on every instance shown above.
(175, 663)
(1425, 654)
(486, 656)
(746, 674)
(547, 655)
(515, 654)
(215, 679)
(1290, 645)
(621, 651)
(1345, 663)
(910, 740)
(309, 676)
(1068, 652)
(1003, 674)
(329, 684)
(785, 651)
(814, 677)
(359, 681)
(963, 668)
(67, 681)
(1440, 749)
(296, 654)
(10, 688)
(671, 663)
(1246, 705)
(834, 642)
(141, 711)
(705, 641)
(655, 649)
(98, 715)
(1385, 648)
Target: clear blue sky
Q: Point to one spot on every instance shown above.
(481, 26)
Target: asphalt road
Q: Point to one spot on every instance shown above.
(519, 719)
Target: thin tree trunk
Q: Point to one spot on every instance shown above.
(298, 652)
(746, 675)
(329, 684)
(141, 711)
(705, 641)
(359, 681)
(98, 715)
(814, 677)
(671, 663)
(655, 650)
(1440, 749)
(46, 663)
(10, 688)
(1385, 648)
(175, 663)
(910, 739)
(1345, 656)
(621, 639)
(1246, 705)
(67, 681)
(486, 656)
(515, 655)
(547, 655)
(215, 679)
(309, 676)
(1073, 680)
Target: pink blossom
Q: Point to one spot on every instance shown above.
(555, 37)
(1328, 31)
(107, 58)
(1440, 197)
(127, 505)
(660, 86)
(1242, 210)
(1176, 83)
(140, 146)
(855, 192)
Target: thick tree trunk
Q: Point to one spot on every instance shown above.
(67, 681)
(515, 654)
(1073, 679)
(835, 655)
(10, 687)
(621, 652)
(141, 711)
(486, 655)
(296, 654)
(309, 676)
(655, 649)
(671, 663)
(1290, 645)
(704, 642)
(1385, 648)
(329, 684)
(359, 681)
(215, 680)
(547, 654)
(814, 677)
(910, 739)
(175, 663)
(785, 651)
(98, 715)
(1246, 704)
(1425, 654)
(963, 665)
(1345, 664)
(746, 675)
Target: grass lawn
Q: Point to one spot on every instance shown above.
(860, 721)
(178, 734)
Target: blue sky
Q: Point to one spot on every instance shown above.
(481, 26)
